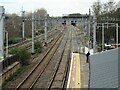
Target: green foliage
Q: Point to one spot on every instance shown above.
(17, 39)
(106, 12)
(42, 31)
(86, 38)
(38, 32)
(14, 76)
(22, 54)
(75, 15)
(38, 47)
(13, 25)
(99, 48)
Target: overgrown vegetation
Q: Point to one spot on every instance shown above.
(15, 75)
(38, 47)
(24, 57)
(86, 38)
(80, 28)
(22, 54)
(15, 40)
(42, 31)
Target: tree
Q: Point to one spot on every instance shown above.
(22, 54)
(41, 12)
(103, 13)
(96, 8)
(108, 7)
(109, 12)
(75, 15)
(13, 26)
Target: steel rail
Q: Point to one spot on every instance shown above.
(58, 66)
(18, 87)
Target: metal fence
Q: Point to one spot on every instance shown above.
(8, 61)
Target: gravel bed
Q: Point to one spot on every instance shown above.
(34, 61)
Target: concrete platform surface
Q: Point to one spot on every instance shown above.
(79, 72)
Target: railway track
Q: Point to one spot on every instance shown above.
(27, 43)
(59, 77)
(50, 38)
(59, 61)
(33, 76)
(52, 70)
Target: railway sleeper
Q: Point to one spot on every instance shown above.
(57, 84)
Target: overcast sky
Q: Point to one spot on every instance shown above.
(53, 7)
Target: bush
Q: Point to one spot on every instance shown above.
(42, 31)
(38, 47)
(14, 76)
(17, 39)
(22, 54)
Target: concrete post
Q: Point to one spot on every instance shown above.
(6, 43)
(94, 35)
(23, 25)
(33, 34)
(45, 44)
(35, 22)
(89, 28)
(2, 11)
(102, 36)
(117, 35)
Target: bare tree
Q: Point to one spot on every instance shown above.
(42, 12)
(108, 7)
(96, 8)
(13, 25)
(103, 12)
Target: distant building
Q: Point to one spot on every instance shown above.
(75, 19)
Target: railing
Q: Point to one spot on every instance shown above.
(8, 61)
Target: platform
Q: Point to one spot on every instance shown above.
(79, 72)
(74, 80)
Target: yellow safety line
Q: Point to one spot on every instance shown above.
(68, 85)
(78, 71)
(75, 62)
